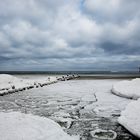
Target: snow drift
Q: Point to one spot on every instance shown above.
(18, 126)
(127, 89)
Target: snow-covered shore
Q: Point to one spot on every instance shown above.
(82, 96)
(18, 126)
(130, 117)
(10, 84)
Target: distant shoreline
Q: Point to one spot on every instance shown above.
(82, 74)
(110, 76)
(73, 72)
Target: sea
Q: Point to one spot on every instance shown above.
(82, 74)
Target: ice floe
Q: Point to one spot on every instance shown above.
(104, 134)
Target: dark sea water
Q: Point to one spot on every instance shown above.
(83, 74)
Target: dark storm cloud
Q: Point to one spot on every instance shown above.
(69, 35)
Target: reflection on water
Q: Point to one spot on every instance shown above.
(63, 102)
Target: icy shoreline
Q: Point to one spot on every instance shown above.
(11, 84)
(78, 106)
(130, 116)
(74, 99)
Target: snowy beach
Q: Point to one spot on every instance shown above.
(77, 108)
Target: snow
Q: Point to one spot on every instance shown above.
(18, 126)
(10, 84)
(130, 118)
(128, 89)
(89, 98)
(6, 81)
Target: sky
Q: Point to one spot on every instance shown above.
(45, 35)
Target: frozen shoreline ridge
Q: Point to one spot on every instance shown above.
(15, 125)
(127, 89)
(130, 117)
(10, 84)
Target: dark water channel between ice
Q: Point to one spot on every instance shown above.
(79, 106)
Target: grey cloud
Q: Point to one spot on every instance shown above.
(67, 34)
(113, 11)
(113, 48)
